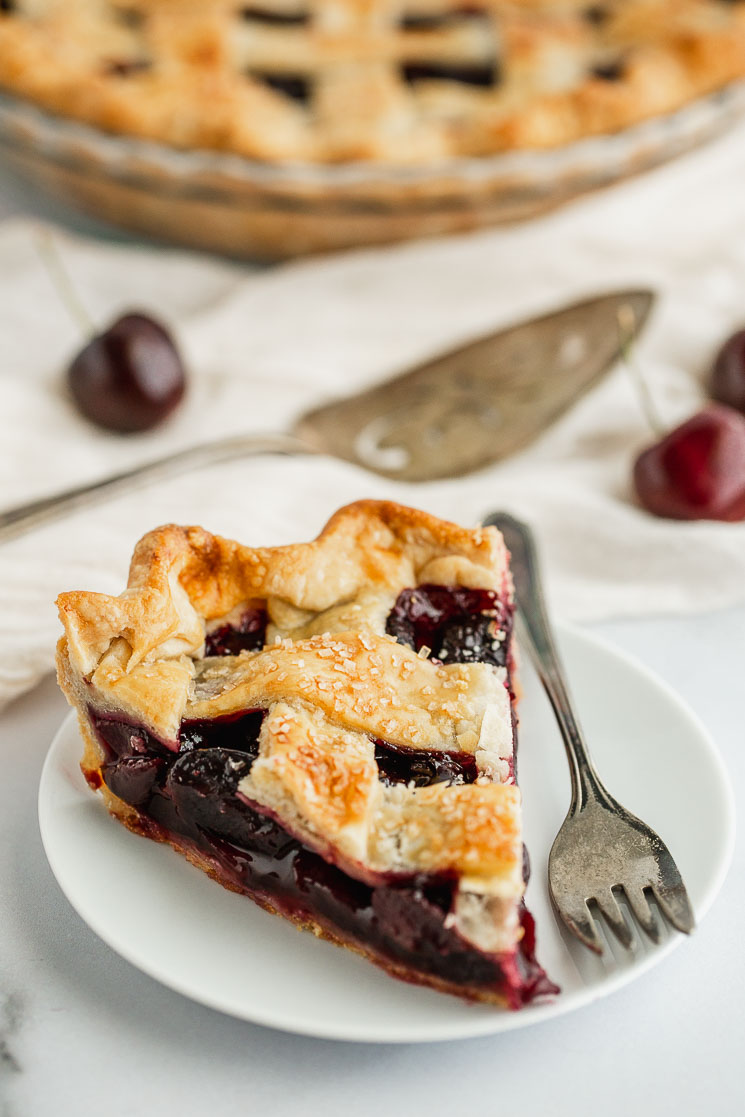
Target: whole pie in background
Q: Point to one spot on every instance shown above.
(339, 80)
(281, 127)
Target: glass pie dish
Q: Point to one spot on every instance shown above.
(245, 208)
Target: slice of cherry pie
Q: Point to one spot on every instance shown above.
(328, 728)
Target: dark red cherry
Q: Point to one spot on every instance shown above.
(727, 383)
(697, 471)
(130, 377)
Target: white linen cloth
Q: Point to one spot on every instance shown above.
(262, 346)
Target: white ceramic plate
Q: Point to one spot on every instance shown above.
(218, 948)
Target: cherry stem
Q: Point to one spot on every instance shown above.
(62, 282)
(627, 331)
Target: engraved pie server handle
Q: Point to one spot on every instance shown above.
(17, 521)
(602, 850)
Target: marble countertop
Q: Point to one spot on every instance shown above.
(83, 1032)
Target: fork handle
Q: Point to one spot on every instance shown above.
(17, 521)
(534, 631)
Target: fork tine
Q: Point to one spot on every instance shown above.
(643, 914)
(599, 843)
(580, 922)
(608, 905)
(673, 899)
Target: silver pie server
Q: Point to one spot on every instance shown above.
(445, 418)
(602, 850)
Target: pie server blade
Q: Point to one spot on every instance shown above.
(481, 402)
(447, 417)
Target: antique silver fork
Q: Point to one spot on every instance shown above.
(601, 850)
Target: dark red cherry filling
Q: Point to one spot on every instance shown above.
(137, 762)
(458, 625)
(189, 793)
(397, 764)
(613, 70)
(192, 795)
(255, 13)
(233, 731)
(296, 87)
(245, 635)
(483, 74)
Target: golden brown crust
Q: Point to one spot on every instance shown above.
(205, 75)
(472, 830)
(369, 683)
(331, 683)
(181, 577)
(317, 775)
